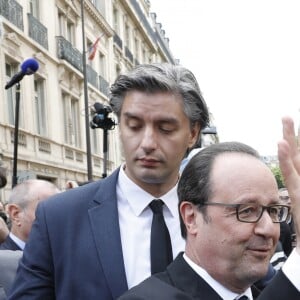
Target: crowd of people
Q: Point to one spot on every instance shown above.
(155, 229)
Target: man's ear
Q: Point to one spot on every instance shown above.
(14, 211)
(194, 135)
(188, 213)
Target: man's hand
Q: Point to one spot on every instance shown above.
(289, 160)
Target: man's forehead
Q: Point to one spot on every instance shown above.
(234, 170)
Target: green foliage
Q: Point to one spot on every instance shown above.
(278, 176)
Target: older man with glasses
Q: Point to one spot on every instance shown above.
(230, 215)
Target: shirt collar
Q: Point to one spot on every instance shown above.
(219, 288)
(18, 241)
(139, 199)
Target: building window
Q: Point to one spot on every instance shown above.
(117, 70)
(100, 5)
(66, 27)
(71, 121)
(102, 65)
(10, 70)
(40, 106)
(34, 8)
(89, 51)
(116, 21)
(95, 141)
(136, 46)
(127, 35)
(70, 32)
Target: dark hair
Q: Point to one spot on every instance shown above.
(194, 185)
(154, 78)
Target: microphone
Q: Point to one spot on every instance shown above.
(28, 67)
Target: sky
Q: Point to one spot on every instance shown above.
(245, 55)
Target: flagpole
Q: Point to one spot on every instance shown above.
(86, 102)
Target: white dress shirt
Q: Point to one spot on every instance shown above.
(216, 286)
(18, 241)
(135, 218)
(291, 268)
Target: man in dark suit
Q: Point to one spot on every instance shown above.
(21, 209)
(93, 242)
(9, 261)
(230, 213)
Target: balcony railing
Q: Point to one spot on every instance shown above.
(66, 51)
(13, 12)
(143, 19)
(92, 76)
(37, 31)
(103, 86)
(118, 41)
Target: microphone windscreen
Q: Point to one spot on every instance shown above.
(29, 66)
(98, 107)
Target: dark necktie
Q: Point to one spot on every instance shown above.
(160, 245)
(243, 298)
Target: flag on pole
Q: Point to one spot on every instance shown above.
(92, 50)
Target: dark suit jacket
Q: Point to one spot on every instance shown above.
(180, 281)
(9, 261)
(74, 249)
(9, 244)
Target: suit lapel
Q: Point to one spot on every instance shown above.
(187, 280)
(106, 233)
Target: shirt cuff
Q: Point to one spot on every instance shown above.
(291, 269)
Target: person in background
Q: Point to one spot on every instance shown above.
(4, 230)
(9, 260)
(71, 184)
(94, 241)
(284, 245)
(231, 230)
(287, 231)
(21, 208)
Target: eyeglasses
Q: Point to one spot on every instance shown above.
(252, 212)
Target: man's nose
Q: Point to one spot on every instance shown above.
(149, 141)
(265, 226)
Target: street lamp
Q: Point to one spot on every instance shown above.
(86, 102)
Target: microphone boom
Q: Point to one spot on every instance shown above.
(28, 67)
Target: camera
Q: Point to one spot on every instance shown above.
(101, 118)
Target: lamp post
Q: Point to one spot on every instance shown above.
(86, 101)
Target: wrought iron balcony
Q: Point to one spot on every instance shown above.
(66, 51)
(92, 76)
(37, 31)
(103, 86)
(118, 41)
(128, 54)
(13, 12)
(143, 19)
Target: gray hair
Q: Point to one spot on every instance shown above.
(31, 190)
(154, 78)
(195, 182)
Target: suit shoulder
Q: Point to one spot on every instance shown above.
(79, 199)
(154, 288)
(279, 288)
